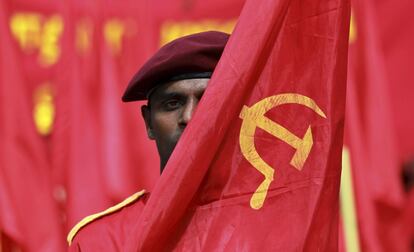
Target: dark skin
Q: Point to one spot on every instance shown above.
(169, 110)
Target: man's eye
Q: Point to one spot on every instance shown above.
(172, 104)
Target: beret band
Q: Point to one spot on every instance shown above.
(192, 76)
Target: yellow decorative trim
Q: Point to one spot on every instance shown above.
(348, 209)
(90, 218)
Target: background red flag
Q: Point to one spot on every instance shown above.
(102, 138)
(370, 137)
(176, 18)
(26, 200)
(396, 36)
(295, 53)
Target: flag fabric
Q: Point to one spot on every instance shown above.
(101, 140)
(90, 155)
(173, 19)
(131, 160)
(258, 167)
(396, 46)
(26, 199)
(396, 40)
(370, 138)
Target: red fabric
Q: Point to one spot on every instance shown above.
(28, 212)
(6, 244)
(104, 150)
(201, 202)
(186, 17)
(370, 137)
(341, 236)
(409, 217)
(110, 232)
(396, 46)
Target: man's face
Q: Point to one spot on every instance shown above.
(169, 110)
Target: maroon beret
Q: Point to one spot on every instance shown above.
(192, 56)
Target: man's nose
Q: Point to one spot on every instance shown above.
(187, 112)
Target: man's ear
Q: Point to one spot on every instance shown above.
(146, 114)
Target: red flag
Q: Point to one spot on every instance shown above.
(26, 201)
(396, 46)
(176, 18)
(370, 137)
(102, 138)
(125, 142)
(259, 165)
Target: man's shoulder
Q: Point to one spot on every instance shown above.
(110, 225)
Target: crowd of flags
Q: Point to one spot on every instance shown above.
(70, 148)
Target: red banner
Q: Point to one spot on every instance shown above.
(28, 211)
(173, 19)
(267, 177)
(370, 137)
(396, 40)
(108, 155)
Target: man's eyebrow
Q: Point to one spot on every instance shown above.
(169, 95)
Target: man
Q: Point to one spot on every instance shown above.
(173, 81)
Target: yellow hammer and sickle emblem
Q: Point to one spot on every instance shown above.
(253, 117)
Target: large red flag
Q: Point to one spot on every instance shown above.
(28, 211)
(259, 165)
